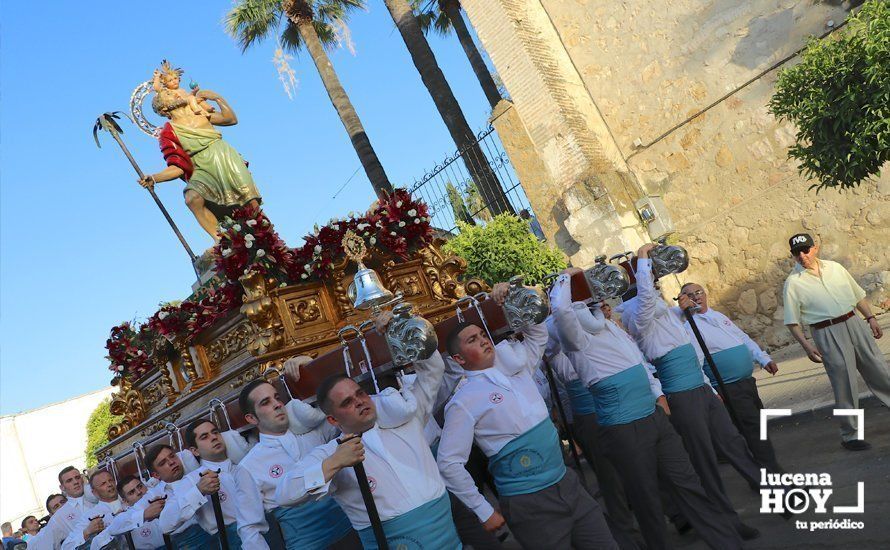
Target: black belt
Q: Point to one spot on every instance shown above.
(835, 321)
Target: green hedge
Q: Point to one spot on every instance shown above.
(502, 248)
(97, 430)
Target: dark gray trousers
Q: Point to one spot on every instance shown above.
(701, 419)
(586, 430)
(561, 516)
(469, 528)
(648, 450)
(747, 405)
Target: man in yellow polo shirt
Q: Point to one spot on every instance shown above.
(822, 294)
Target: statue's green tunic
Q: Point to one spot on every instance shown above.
(220, 175)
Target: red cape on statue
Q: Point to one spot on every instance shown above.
(173, 152)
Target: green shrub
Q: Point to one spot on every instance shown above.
(502, 248)
(838, 96)
(97, 430)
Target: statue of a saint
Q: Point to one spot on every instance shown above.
(217, 179)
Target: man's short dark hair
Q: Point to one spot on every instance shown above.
(152, 455)
(123, 482)
(323, 394)
(49, 499)
(244, 401)
(97, 472)
(191, 440)
(26, 519)
(65, 471)
(452, 341)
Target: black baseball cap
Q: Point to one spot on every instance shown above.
(801, 240)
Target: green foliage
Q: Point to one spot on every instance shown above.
(503, 248)
(251, 21)
(838, 96)
(97, 430)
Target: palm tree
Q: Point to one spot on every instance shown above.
(310, 24)
(443, 16)
(447, 105)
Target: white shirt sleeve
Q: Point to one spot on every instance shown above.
(426, 385)
(181, 506)
(454, 451)
(647, 295)
(306, 479)
(249, 513)
(126, 521)
(571, 335)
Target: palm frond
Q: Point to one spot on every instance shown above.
(290, 40)
(252, 20)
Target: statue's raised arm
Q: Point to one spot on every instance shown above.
(216, 176)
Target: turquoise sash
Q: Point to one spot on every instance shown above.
(579, 396)
(232, 535)
(194, 538)
(529, 463)
(678, 370)
(427, 527)
(734, 364)
(312, 526)
(623, 397)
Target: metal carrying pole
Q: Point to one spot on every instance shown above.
(376, 525)
(564, 419)
(701, 343)
(221, 532)
(108, 123)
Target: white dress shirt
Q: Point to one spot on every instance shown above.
(239, 499)
(811, 298)
(494, 407)
(147, 535)
(400, 466)
(102, 509)
(598, 350)
(265, 465)
(720, 333)
(60, 524)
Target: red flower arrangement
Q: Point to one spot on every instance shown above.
(248, 242)
(129, 351)
(216, 304)
(398, 223)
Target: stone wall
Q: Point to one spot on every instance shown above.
(733, 195)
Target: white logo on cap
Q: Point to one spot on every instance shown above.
(799, 239)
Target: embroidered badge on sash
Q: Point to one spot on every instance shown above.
(372, 483)
(223, 496)
(145, 533)
(495, 397)
(275, 471)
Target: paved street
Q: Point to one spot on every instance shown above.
(809, 442)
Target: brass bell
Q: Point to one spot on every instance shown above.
(369, 291)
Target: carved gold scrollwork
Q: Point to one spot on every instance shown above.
(245, 377)
(443, 273)
(229, 343)
(126, 403)
(160, 424)
(409, 286)
(263, 315)
(304, 311)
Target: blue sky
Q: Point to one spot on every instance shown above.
(84, 248)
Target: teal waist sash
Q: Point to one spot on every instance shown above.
(194, 538)
(734, 364)
(678, 370)
(623, 397)
(531, 462)
(579, 396)
(314, 525)
(427, 527)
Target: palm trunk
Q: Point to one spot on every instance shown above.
(448, 107)
(344, 107)
(452, 10)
